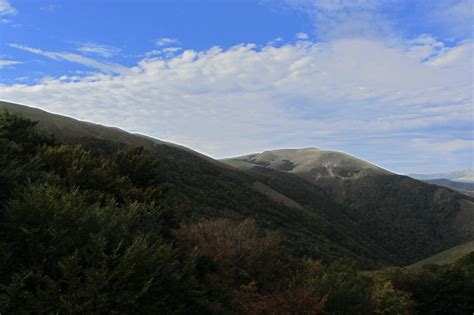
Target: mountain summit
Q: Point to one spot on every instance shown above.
(329, 170)
(312, 164)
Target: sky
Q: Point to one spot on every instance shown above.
(389, 81)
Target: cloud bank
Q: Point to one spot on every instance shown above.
(347, 94)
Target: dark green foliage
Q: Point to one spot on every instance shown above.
(77, 235)
(18, 146)
(445, 289)
(340, 228)
(411, 219)
(345, 290)
(67, 255)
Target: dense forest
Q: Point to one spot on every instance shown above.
(96, 227)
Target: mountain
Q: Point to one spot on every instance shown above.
(317, 166)
(458, 176)
(96, 220)
(324, 168)
(406, 217)
(324, 204)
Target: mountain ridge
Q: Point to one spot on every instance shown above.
(354, 209)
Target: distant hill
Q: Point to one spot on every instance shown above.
(451, 184)
(466, 188)
(325, 204)
(458, 176)
(448, 256)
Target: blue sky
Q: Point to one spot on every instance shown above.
(389, 81)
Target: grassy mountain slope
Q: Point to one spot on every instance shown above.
(313, 163)
(448, 256)
(327, 169)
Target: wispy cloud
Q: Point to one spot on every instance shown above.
(6, 11)
(76, 58)
(6, 63)
(302, 36)
(98, 49)
(50, 7)
(454, 16)
(167, 52)
(444, 147)
(6, 8)
(166, 41)
(335, 19)
(172, 49)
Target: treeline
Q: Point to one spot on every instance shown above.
(86, 229)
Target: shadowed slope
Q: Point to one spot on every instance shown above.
(408, 218)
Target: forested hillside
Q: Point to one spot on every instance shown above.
(375, 224)
(99, 226)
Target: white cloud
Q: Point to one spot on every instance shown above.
(71, 57)
(351, 94)
(167, 52)
(6, 63)
(302, 36)
(166, 41)
(98, 49)
(6, 8)
(275, 41)
(153, 53)
(171, 49)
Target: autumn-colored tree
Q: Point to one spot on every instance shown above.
(284, 302)
(241, 252)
